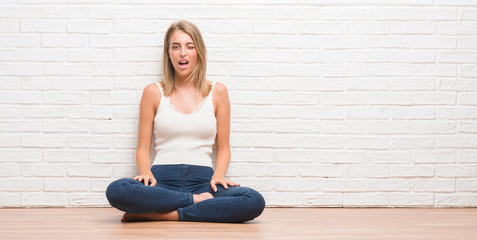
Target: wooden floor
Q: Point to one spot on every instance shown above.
(275, 223)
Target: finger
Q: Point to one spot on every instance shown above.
(232, 183)
(225, 185)
(146, 181)
(212, 184)
(154, 182)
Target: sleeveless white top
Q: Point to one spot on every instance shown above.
(184, 138)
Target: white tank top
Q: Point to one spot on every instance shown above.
(184, 138)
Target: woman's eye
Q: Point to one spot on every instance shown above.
(175, 47)
(191, 47)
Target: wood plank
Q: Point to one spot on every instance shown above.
(275, 223)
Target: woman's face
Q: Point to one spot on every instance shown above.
(182, 53)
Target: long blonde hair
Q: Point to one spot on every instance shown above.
(198, 73)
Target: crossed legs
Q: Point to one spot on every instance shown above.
(236, 204)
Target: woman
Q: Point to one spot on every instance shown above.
(187, 114)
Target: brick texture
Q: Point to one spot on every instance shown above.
(335, 103)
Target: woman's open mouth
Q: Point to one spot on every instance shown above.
(184, 63)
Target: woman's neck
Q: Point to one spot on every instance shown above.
(183, 82)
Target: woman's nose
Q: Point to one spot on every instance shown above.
(183, 52)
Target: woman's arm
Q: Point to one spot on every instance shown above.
(222, 114)
(150, 99)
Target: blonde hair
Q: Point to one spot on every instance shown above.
(198, 73)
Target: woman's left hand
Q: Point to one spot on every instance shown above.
(222, 181)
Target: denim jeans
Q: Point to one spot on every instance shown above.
(174, 189)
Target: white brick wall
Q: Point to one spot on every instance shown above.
(354, 103)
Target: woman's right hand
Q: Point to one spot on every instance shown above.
(146, 178)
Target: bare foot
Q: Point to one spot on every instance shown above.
(134, 217)
(131, 217)
(203, 196)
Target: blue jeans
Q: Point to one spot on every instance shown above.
(174, 189)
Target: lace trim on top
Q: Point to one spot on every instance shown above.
(195, 110)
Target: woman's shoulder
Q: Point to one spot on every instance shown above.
(152, 88)
(220, 93)
(151, 92)
(219, 87)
